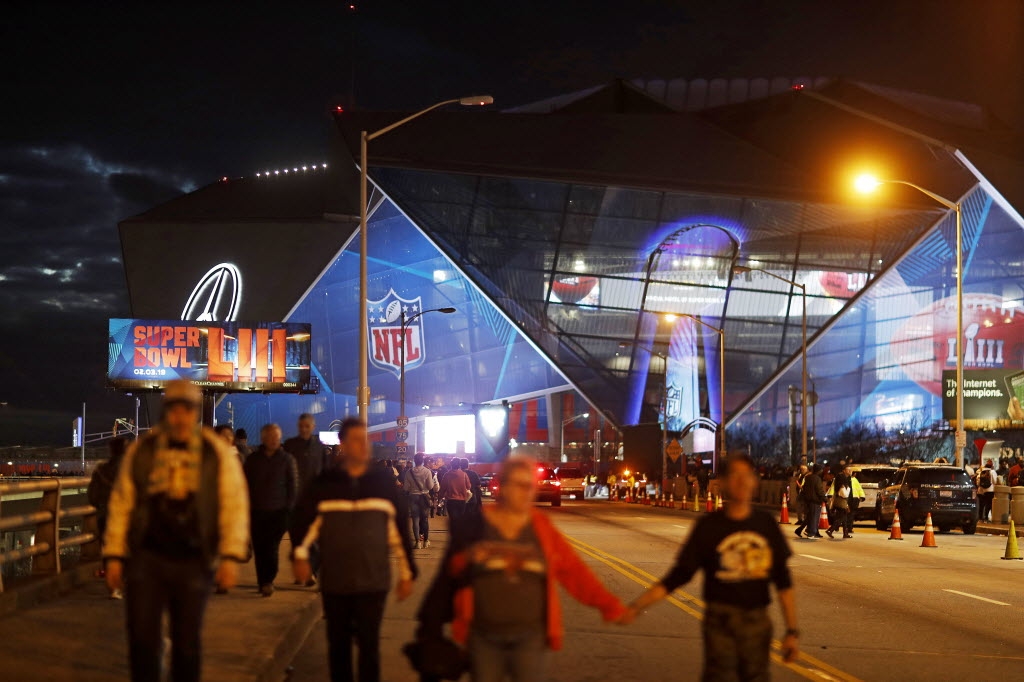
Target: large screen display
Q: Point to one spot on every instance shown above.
(224, 356)
(452, 434)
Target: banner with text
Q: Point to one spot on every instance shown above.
(224, 356)
(989, 395)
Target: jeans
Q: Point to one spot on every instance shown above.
(419, 507)
(354, 617)
(736, 644)
(985, 505)
(154, 584)
(456, 509)
(812, 512)
(516, 658)
(267, 529)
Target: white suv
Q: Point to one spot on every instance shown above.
(869, 476)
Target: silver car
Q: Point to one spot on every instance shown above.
(869, 476)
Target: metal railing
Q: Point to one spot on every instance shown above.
(45, 552)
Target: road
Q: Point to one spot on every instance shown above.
(869, 608)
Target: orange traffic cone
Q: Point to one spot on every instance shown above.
(1012, 550)
(784, 517)
(672, 501)
(823, 523)
(929, 533)
(682, 505)
(718, 503)
(710, 506)
(896, 533)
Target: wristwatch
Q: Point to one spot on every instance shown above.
(792, 632)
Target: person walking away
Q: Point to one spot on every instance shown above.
(839, 493)
(741, 552)
(703, 479)
(986, 482)
(856, 497)
(456, 489)
(417, 483)
(101, 485)
(311, 457)
(273, 483)
(476, 497)
(354, 512)
(812, 497)
(177, 522)
(498, 584)
(227, 434)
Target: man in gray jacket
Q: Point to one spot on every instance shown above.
(178, 520)
(418, 482)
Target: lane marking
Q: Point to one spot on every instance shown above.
(974, 596)
(678, 526)
(817, 558)
(805, 664)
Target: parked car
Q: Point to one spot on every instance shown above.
(917, 490)
(869, 476)
(572, 479)
(549, 488)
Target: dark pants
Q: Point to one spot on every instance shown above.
(419, 508)
(456, 509)
(984, 505)
(267, 529)
(154, 584)
(736, 644)
(354, 617)
(810, 519)
(854, 506)
(839, 518)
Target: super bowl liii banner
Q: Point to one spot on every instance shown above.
(995, 395)
(230, 356)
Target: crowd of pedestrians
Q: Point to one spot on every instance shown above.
(177, 521)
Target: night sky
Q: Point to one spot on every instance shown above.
(109, 110)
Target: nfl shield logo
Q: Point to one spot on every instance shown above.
(385, 333)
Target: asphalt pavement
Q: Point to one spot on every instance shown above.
(869, 608)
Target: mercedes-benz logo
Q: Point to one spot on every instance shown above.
(216, 297)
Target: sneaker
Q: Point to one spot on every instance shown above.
(799, 533)
(116, 594)
(266, 590)
(417, 545)
(830, 534)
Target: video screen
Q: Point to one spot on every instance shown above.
(444, 433)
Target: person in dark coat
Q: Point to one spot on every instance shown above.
(273, 486)
(812, 496)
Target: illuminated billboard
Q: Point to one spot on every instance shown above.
(223, 356)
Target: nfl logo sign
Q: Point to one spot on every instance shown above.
(384, 330)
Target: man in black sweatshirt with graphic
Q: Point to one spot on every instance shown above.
(359, 517)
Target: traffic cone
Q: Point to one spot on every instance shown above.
(682, 505)
(929, 533)
(823, 523)
(672, 501)
(1012, 550)
(896, 533)
(710, 506)
(718, 503)
(784, 517)
(696, 501)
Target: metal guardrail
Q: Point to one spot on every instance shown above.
(47, 522)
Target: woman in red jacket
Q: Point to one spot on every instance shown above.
(498, 583)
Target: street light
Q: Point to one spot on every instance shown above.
(740, 269)
(566, 422)
(664, 397)
(406, 321)
(721, 386)
(363, 397)
(867, 183)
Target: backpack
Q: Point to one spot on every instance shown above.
(985, 479)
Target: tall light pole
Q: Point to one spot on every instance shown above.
(566, 422)
(363, 397)
(867, 184)
(739, 269)
(406, 321)
(721, 387)
(664, 404)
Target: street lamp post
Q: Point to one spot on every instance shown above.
(866, 184)
(406, 322)
(566, 422)
(363, 397)
(739, 269)
(721, 387)
(664, 404)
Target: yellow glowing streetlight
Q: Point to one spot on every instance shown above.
(866, 183)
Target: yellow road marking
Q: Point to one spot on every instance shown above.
(824, 670)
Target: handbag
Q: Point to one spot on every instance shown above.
(437, 657)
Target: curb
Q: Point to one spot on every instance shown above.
(276, 667)
(34, 591)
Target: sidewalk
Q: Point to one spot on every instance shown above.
(80, 637)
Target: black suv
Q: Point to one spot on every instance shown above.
(917, 490)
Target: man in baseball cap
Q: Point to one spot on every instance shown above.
(178, 521)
